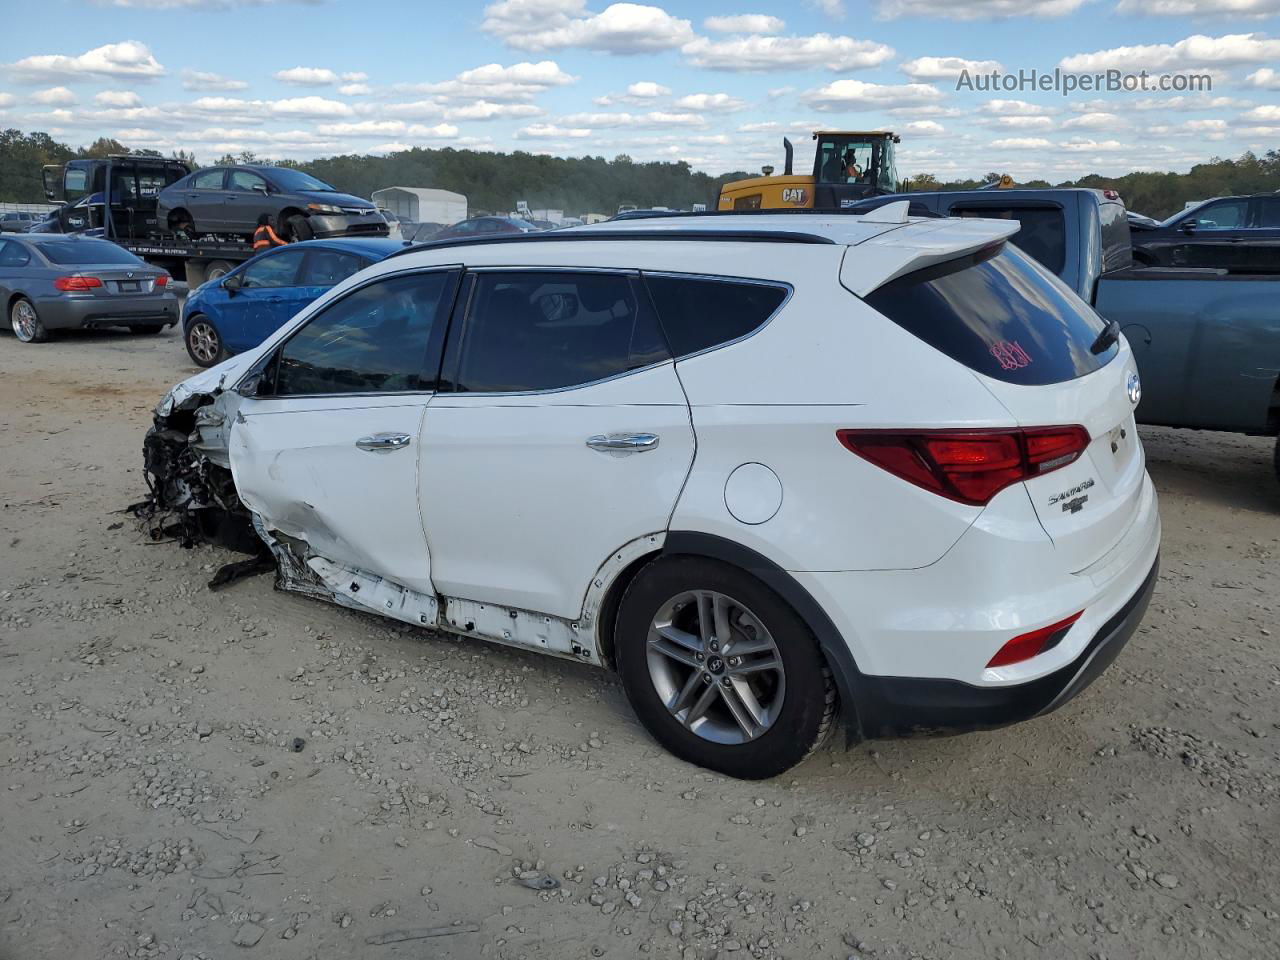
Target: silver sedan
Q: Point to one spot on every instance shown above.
(58, 282)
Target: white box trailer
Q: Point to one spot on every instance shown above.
(422, 204)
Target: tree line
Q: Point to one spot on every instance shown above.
(493, 182)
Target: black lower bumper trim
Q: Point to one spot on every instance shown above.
(907, 706)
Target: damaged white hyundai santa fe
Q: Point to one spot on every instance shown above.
(771, 469)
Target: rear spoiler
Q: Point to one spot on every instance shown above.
(917, 244)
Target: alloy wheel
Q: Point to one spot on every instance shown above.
(204, 342)
(26, 325)
(715, 667)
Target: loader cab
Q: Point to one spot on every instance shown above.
(851, 166)
(117, 193)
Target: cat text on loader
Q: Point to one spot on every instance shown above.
(847, 167)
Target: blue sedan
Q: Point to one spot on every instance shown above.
(238, 311)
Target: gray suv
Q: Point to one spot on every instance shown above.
(229, 200)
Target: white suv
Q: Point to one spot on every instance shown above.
(767, 467)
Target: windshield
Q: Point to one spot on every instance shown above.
(855, 159)
(289, 179)
(85, 251)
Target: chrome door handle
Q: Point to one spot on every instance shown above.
(624, 442)
(383, 442)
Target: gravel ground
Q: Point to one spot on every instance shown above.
(189, 774)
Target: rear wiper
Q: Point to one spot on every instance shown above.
(1109, 335)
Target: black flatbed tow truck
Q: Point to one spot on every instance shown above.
(115, 197)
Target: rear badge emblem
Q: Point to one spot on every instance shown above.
(1073, 500)
(1076, 505)
(129, 275)
(1134, 388)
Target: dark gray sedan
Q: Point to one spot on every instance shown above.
(57, 282)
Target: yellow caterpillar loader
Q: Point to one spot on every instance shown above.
(848, 166)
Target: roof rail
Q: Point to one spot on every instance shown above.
(569, 236)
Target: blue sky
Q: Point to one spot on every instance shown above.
(715, 83)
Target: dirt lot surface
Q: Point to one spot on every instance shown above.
(190, 774)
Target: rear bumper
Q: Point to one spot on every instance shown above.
(901, 706)
(70, 313)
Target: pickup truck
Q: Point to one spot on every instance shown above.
(1207, 340)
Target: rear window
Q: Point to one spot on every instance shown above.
(86, 251)
(697, 313)
(1043, 233)
(1117, 249)
(998, 313)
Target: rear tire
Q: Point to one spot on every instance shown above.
(298, 229)
(216, 270)
(743, 689)
(146, 329)
(26, 322)
(204, 344)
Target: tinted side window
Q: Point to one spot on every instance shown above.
(1226, 215)
(1269, 213)
(208, 180)
(1117, 248)
(1003, 316)
(324, 268)
(13, 254)
(545, 331)
(1043, 233)
(697, 313)
(381, 338)
(278, 270)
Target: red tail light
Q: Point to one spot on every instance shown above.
(969, 466)
(162, 280)
(1028, 645)
(76, 283)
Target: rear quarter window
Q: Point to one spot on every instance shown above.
(998, 313)
(699, 313)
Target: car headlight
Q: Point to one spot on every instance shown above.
(323, 208)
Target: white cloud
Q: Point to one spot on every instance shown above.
(654, 118)
(309, 107)
(1094, 120)
(412, 110)
(853, 94)
(355, 89)
(1091, 146)
(441, 131)
(832, 8)
(1023, 122)
(203, 80)
(1021, 143)
(622, 28)
(551, 131)
(1015, 108)
(716, 102)
(364, 128)
(758, 54)
(118, 98)
(202, 4)
(924, 128)
(307, 76)
(486, 110)
(519, 82)
(1266, 78)
(55, 97)
(640, 92)
(127, 59)
(7, 100)
(1195, 51)
(941, 68)
(1265, 114)
(978, 9)
(1200, 8)
(745, 23)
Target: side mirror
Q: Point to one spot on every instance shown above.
(232, 282)
(258, 382)
(261, 188)
(1188, 226)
